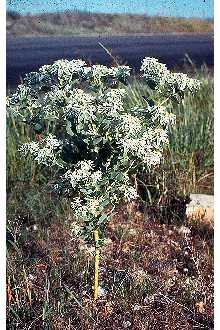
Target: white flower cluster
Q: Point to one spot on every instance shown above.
(111, 103)
(65, 66)
(181, 82)
(90, 209)
(162, 116)
(92, 206)
(98, 72)
(129, 192)
(143, 149)
(64, 70)
(131, 125)
(82, 173)
(158, 76)
(85, 181)
(45, 151)
(154, 70)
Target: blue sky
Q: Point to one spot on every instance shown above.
(183, 8)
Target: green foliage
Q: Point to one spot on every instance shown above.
(84, 131)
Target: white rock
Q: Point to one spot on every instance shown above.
(201, 207)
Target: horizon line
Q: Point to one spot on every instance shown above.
(105, 13)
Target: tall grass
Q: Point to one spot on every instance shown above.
(28, 192)
(189, 161)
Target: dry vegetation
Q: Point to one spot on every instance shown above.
(83, 23)
(163, 282)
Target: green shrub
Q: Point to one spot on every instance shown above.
(93, 142)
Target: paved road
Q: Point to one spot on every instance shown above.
(28, 54)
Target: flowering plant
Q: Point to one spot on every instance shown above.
(91, 136)
(85, 130)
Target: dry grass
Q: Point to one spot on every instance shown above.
(82, 23)
(163, 282)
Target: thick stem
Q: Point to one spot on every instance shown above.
(97, 253)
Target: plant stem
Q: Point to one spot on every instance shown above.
(97, 253)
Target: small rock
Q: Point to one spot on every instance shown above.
(132, 231)
(107, 241)
(126, 324)
(201, 207)
(102, 291)
(136, 307)
(35, 227)
(184, 230)
(31, 277)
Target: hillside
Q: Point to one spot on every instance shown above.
(83, 23)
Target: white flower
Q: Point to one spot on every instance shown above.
(182, 82)
(161, 136)
(76, 228)
(82, 173)
(96, 176)
(168, 119)
(130, 193)
(96, 73)
(94, 207)
(153, 70)
(152, 158)
(76, 203)
(111, 103)
(81, 107)
(131, 125)
(163, 116)
(31, 147)
(52, 142)
(44, 152)
(68, 67)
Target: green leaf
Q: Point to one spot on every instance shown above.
(105, 202)
(151, 83)
(69, 128)
(151, 102)
(97, 140)
(102, 218)
(38, 128)
(120, 177)
(61, 163)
